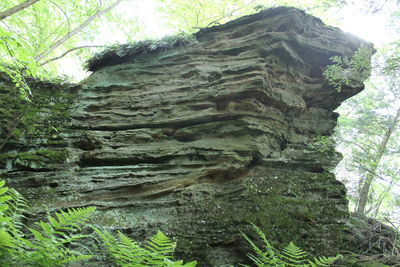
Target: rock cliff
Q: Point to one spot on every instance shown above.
(200, 139)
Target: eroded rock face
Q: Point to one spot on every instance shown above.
(201, 140)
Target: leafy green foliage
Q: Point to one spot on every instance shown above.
(44, 118)
(58, 241)
(190, 16)
(50, 239)
(368, 137)
(345, 71)
(52, 243)
(291, 255)
(22, 63)
(392, 64)
(126, 252)
(29, 39)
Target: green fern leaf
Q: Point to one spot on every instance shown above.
(267, 256)
(324, 261)
(3, 190)
(293, 255)
(6, 240)
(17, 206)
(160, 244)
(3, 207)
(123, 250)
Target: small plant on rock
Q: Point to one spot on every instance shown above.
(324, 145)
(344, 71)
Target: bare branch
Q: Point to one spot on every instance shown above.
(230, 14)
(67, 52)
(65, 15)
(76, 30)
(17, 8)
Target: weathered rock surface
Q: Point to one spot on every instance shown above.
(200, 140)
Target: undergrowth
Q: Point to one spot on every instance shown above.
(157, 251)
(291, 255)
(52, 243)
(59, 241)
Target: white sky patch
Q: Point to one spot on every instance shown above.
(368, 27)
(148, 20)
(372, 27)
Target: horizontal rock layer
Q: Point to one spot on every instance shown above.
(199, 141)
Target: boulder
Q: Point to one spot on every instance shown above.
(200, 137)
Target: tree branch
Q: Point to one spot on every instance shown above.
(67, 52)
(77, 29)
(17, 8)
(65, 15)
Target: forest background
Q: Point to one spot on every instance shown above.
(51, 39)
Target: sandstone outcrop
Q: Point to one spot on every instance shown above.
(203, 138)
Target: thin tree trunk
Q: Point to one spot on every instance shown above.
(362, 202)
(17, 8)
(77, 29)
(376, 207)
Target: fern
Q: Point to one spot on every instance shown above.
(125, 252)
(17, 207)
(160, 247)
(266, 257)
(7, 242)
(291, 255)
(52, 243)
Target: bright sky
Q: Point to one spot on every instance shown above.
(371, 27)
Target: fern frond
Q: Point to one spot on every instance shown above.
(266, 257)
(126, 252)
(123, 250)
(293, 255)
(160, 244)
(4, 196)
(71, 219)
(50, 238)
(6, 241)
(3, 189)
(169, 263)
(129, 250)
(17, 208)
(324, 261)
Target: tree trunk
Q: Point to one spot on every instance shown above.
(362, 201)
(76, 30)
(17, 8)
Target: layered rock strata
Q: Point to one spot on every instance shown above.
(200, 140)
